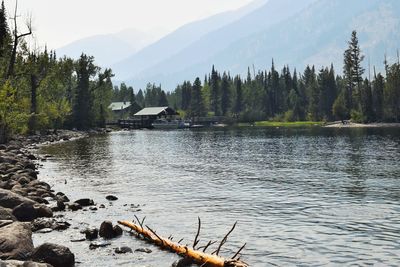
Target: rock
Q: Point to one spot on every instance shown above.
(62, 198)
(43, 211)
(91, 234)
(106, 230)
(31, 157)
(102, 206)
(42, 223)
(185, 262)
(117, 230)
(10, 199)
(145, 250)
(25, 212)
(6, 214)
(84, 202)
(101, 244)
(123, 250)
(60, 205)
(78, 240)
(111, 198)
(5, 222)
(74, 206)
(44, 231)
(93, 208)
(15, 263)
(56, 255)
(16, 241)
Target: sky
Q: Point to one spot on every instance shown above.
(60, 22)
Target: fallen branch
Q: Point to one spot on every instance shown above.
(198, 257)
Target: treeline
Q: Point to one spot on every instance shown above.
(314, 95)
(39, 91)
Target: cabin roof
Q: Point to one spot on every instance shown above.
(154, 111)
(115, 106)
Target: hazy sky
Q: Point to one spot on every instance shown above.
(59, 22)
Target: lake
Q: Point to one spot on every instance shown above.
(301, 197)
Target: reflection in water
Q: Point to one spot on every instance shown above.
(301, 196)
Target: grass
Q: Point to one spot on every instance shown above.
(284, 124)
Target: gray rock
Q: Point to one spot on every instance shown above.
(16, 241)
(106, 230)
(144, 250)
(123, 250)
(84, 202)
(101, 244)
(117, 230)
(91, 234)
(74, 206)
(15, 263)
(6, 214)
(111, 198)
(42, 223)
(43, 211)
(5, 222)
(10, 199)
(56, 255)
(25, 212)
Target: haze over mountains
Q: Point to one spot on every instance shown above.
(293, 32)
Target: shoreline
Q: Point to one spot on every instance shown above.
(339, 124)
(29, 205)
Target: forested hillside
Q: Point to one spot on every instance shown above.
(39, 91)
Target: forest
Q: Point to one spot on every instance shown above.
(314, 95)
(39, 91)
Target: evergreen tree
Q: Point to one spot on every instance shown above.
(197, 105)
(225, 94)
(239, 96)
(163, 101)
(377, 97)
(215, 92)
(186, 95)
(353, 72)
(140, 98)
(5, 37)
(83, 99)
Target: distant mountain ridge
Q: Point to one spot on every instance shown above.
(108, 48)
(292, 32)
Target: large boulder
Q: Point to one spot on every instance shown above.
(10, 199)
(25, 212)
(56, 255)
(16, 241)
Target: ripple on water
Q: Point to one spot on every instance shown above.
(301, 197)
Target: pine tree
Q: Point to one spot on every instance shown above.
(239, 96)
(5, 37)
(353, 72)
(215, 92)
(162, 101)
(225, 94)
(197, 104)
(377, 97)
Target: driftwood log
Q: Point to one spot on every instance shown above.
(189, 253)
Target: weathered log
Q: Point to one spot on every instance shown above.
(198, 257)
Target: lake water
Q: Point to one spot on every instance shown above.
(301, 197)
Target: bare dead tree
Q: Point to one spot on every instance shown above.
(17, 37)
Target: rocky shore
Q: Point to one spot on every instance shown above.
(29, 205)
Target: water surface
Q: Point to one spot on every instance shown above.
(302, 197)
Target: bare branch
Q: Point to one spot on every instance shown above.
(223, 241)
(196, 239)
(237, 253)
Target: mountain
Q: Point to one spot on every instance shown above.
(178, 40)
(108, 48)
(292, 32)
